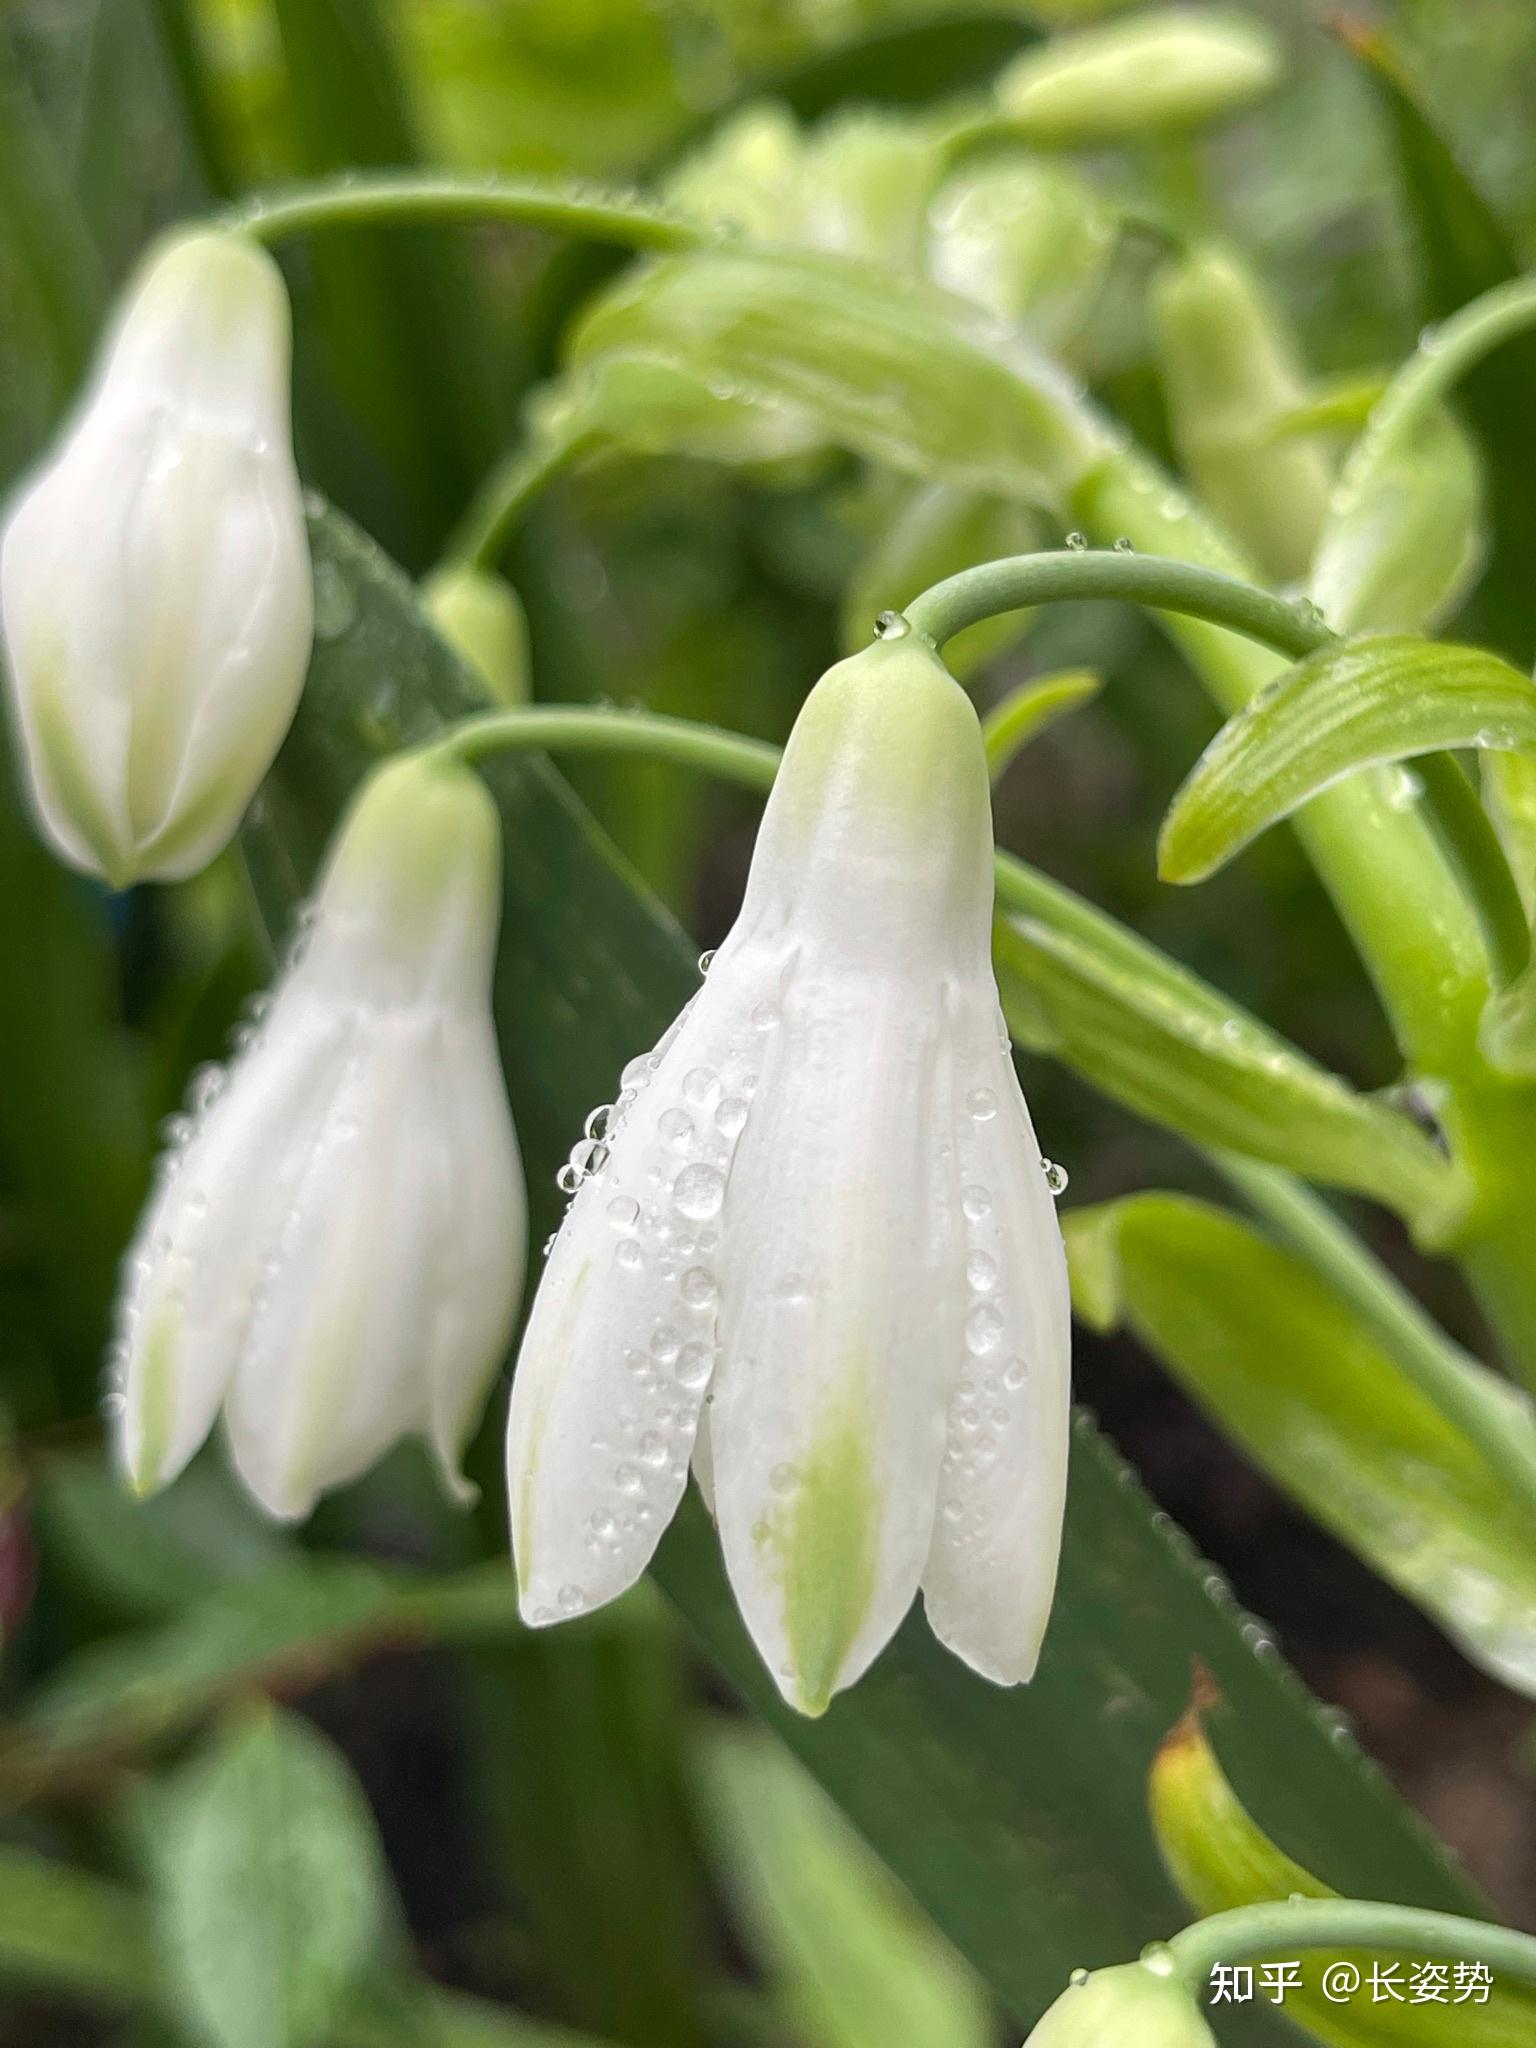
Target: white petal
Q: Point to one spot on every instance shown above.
(620, 1344)
(334, 1366)
(199, 1264)
(840, 1314)
(988, 1582)
(482, 1250)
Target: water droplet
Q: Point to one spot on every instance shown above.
(653, 1449)
(731, 1116)
(976, 1202)
(1077, 542)
(892, 626)
(697, 1287)
(568, 1179)
(676, 1126)
(784, 1478)
(596, 1125)
(549, 1242)
(335, 602)
(707, 959)
(588, 1156)
(980, 1273)
(629, 1479)
(982, 1104)
(630, 1256)
(693, 1366)
(699, 1084)
(624, 1213)
(1125, 545)
(572, 1600)
(1078, 1979)
(790, 1287)
(665, 1344)
(1157, 1956)
(765, 1017)
(1057, 1179)
(1015, 1374)
(699, 1191)
(983, 1330)
(637, 1072)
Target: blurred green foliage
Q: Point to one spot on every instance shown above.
(576, 1829)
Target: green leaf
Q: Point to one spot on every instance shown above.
(1290, 1371)
(272, 1895)
(63, 1930)
(1220, 1857)
(848, 1960)
(1462, 249)
(889, 367)
(1158, 1039)
(988, 1804)
(1355, 705)
(400, 326)
(1032, 709)
(73, 1935)
(1403, 539)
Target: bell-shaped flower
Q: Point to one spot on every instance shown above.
(334, 1252)
(815, 1250)
(154, 574)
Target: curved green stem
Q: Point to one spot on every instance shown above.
(387, 198)
(483, 532)
(1155, 580)
(585, 729)
(1247, 1932)
(1486, 1411)
(1467, 838)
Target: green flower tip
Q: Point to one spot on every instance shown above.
(1145, 2003)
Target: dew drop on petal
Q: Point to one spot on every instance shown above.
(892, 626)
(624, 1213)
(982, 1104)
(699, 1191)
(665, 1344)
(976, 1202)
(1056, 1177)
(676, 1126)
(731, 1116)
(765, 1017)
(707, 960)
(630, 1256)
(692, 1368)
(1077, 542)
(653, 1449)
(980, 1273)
(983, 1330)
(783, 1478)
(698, 1084)
(697, 1287)
(572, 1600)
(1015, 1375)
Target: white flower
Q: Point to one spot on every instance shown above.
(154, 576)
(335, 1252)
(821, 1257)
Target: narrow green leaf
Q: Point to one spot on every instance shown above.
(1463, 249)
(62, 1930)
(986, 1803)
(1167, 1045)
(1290, 1371)
(892, 368)
(1220, 1858)
(400, 325)
(1402, 542)
(1029, 710)
(271, 1891)
(848, 1960)
(1356, 705)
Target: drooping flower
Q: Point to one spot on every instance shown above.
(820, 1258)
(334, 1254)
(154, 575)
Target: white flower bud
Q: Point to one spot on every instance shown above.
(333, 1256)
(821, 1257)
(154, 575)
